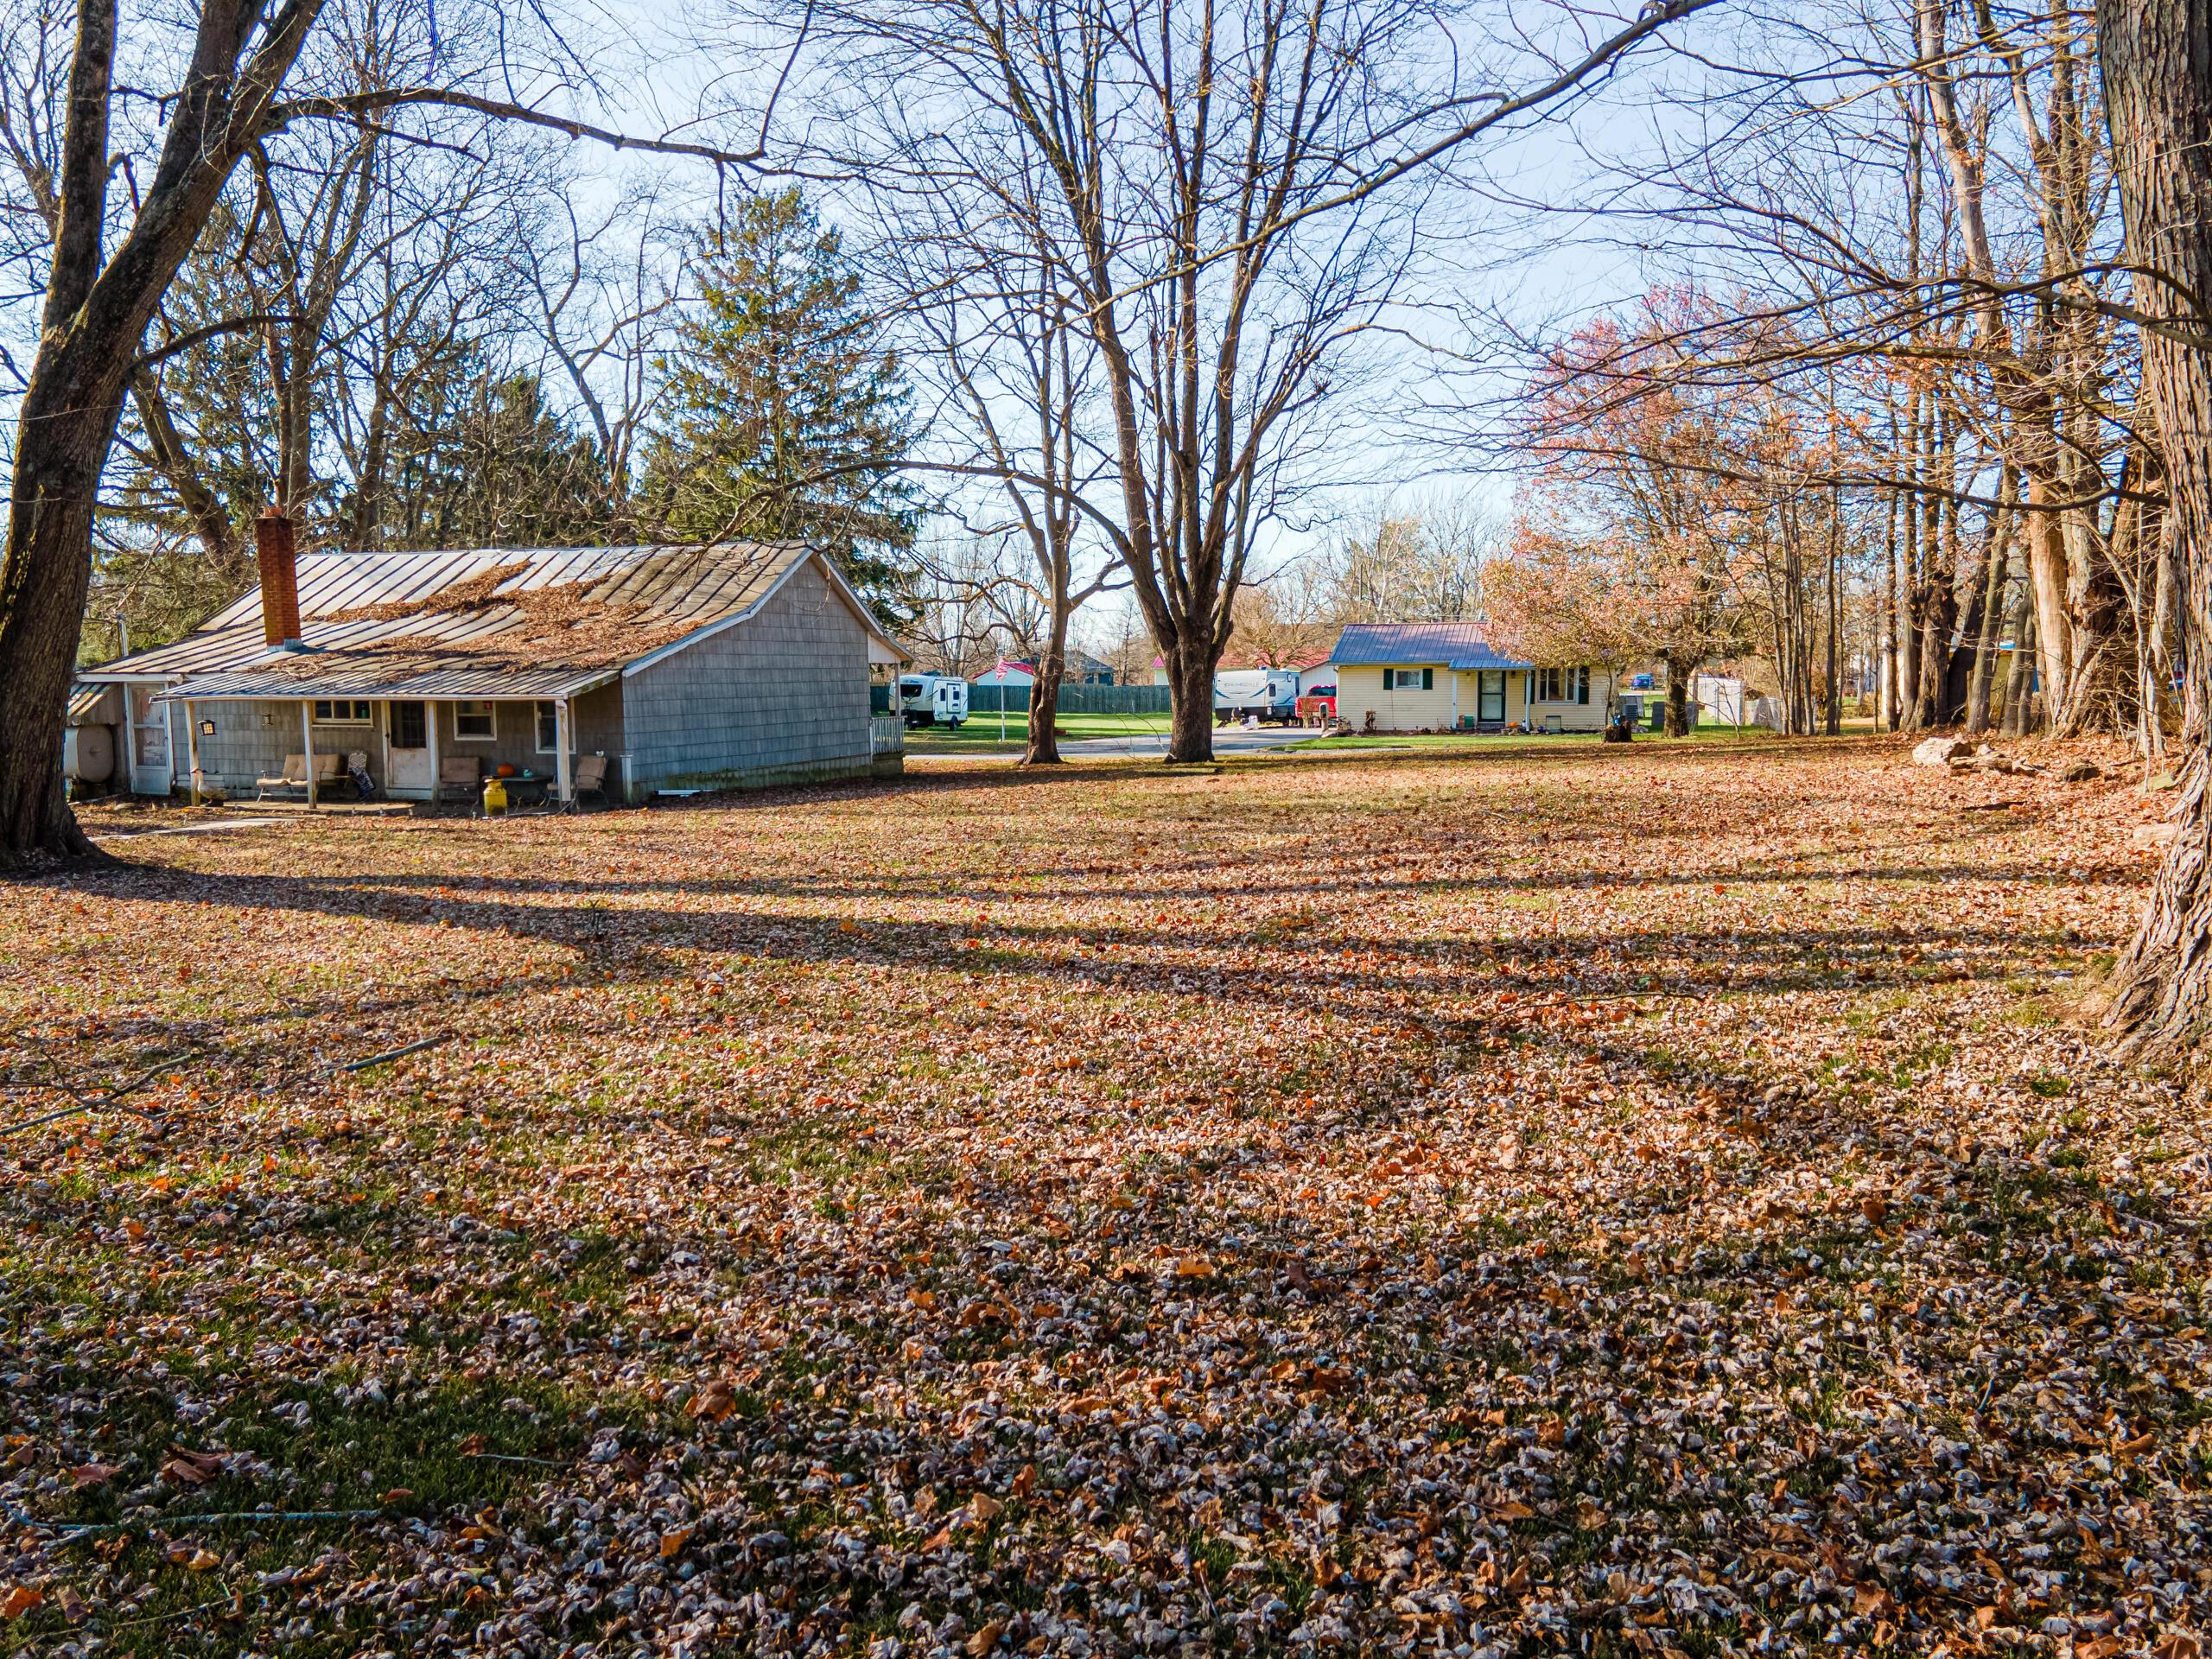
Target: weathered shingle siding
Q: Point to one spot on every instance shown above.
(252, 740)
(781, 698)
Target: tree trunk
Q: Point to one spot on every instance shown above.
(1996, 573)
(68, 423)
(2047, 576)
(2020, 680)
(1044, 749)
(2157, 78)
(1678, 701)
(1885, 711)
(1190, 672)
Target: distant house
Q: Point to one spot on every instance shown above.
(1412, 677)
(1082, 669)
(717, 667)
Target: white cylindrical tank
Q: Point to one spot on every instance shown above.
(88, 754)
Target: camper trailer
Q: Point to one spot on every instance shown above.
(934, 700)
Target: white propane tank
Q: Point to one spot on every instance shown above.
(88, 754)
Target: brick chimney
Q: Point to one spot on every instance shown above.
(274, 541)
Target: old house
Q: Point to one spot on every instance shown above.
(679, 667)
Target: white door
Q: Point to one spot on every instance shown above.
(150, 772)
(408, 769)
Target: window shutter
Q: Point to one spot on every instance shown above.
(1428, 679)
(1582, 686)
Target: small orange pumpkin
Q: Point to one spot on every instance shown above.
(505, 769)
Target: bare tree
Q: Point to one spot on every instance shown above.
(602, 287)
(1417, 560)
(1911, 200)
(999, 337)
(2158, 80)
(1234, 188)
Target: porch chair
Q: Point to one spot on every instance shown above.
(357, 774)
(460, 778)
(293, 778)
(589, 777)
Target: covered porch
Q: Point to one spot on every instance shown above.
(247, 744)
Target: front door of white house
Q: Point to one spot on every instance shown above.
(1489, 696)
(409, 731)
(150, 773)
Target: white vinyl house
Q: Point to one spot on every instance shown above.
(1441, 677)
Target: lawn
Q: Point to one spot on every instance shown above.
(1641, 1200)
(980, 733)
(1530, 742)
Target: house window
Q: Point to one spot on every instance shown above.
(549, 729)
(341, 711)
(471, 721)
(1408, 679)
(409, 729)
(1562, 685)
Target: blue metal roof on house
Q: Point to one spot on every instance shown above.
(1414, 645)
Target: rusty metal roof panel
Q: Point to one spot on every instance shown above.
(482, 622)
(401, 681)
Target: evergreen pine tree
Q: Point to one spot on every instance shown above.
(786, 420)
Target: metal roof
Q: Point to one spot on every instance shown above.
(481, 622)
(487, 685)
(1390, 644)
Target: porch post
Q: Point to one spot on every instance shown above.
(383, 743)
(1454, 673)
(307, 743)
(564, 773)
(437, 774)
(192, 747)
(1528, 697)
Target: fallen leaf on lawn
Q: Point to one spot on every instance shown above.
(86, 1475)
(19, 1600)
(713, 1402)
(188, 1468)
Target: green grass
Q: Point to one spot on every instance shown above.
(1538, 741)
(981, 733)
